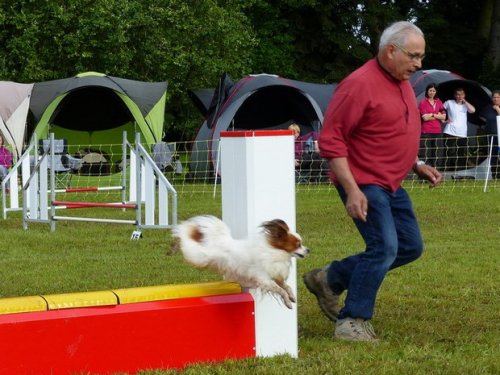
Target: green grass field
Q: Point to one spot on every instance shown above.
(438, 315)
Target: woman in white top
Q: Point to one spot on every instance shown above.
(455, 130)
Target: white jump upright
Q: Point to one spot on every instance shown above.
(148, 187)
(258, 184)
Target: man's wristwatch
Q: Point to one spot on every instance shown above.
(419, 163)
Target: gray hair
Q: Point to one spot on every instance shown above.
(397, 33)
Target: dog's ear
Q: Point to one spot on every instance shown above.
(275, 229)
(196, 234)
(281, 223)
(279, 236)
(276, 223)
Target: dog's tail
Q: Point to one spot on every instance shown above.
(197, 236)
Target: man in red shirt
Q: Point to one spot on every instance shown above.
(370, 137)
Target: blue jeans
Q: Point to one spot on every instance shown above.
(392, 239)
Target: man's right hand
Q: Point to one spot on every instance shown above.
(357, 205)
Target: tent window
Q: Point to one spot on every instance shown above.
(91, 109)
(274, 107)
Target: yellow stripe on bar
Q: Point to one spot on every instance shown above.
(83, 299)
(163, 292)
(114, 297)
(22, 304)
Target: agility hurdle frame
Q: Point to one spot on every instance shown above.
(147, 186)
(134, 329)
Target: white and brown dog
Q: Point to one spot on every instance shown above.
(261, 261)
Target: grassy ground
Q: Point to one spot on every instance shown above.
(439, 315)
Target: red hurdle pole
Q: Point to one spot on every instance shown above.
(92, 204)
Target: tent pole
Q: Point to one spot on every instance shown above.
(124, 166)
(217, 167)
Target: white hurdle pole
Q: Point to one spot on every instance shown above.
(258, 184)
(490, 154)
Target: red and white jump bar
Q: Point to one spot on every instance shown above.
(126, 330)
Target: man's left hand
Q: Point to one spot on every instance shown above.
(428, 173)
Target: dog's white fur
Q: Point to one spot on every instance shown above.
(261, 261)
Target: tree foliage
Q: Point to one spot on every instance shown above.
(191, 43)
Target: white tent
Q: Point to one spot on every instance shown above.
(14, 107)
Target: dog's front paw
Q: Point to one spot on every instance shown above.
(288, 303)
(289, 291)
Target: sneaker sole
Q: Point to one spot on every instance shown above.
(327, 313)
(350, 339)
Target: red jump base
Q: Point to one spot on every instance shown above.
(129, 337)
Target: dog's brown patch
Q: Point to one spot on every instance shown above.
(196, 234)
(279, 237)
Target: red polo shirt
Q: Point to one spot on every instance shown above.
(373, 121)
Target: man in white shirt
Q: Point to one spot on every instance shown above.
(455, 130)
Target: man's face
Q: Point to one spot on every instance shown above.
(459, 96)
(407, 58)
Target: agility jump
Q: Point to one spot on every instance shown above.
(172, 326)
(148, 189)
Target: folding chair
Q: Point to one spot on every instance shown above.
(165, 159)
(64, 164)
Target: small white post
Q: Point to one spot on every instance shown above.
(490, 154)
(258, 184)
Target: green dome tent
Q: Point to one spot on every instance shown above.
(94, 109)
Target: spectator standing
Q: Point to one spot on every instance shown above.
(489, 115)
(308, 162)
(455, 131)
(5, 159)
(433, 114)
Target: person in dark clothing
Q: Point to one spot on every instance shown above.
(490, 115)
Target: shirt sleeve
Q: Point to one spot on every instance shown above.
(421, 107)
(342, 116)
(440, 107)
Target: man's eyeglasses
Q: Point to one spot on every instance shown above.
(413, 56)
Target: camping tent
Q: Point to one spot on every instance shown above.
(14, 105)
(202, 99)
(93, 108)
(255, 102)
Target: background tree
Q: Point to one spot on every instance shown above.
(191, 43)
(188, 43)
(489, 28)
(45, 40)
